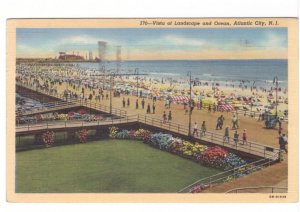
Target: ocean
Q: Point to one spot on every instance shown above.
(221, 71)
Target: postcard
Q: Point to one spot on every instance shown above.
(152, 110)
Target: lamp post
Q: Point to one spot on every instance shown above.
(112, 75)
(136, 71)
(67, 84)
(104, 76)
(190, 104)
(276, 101)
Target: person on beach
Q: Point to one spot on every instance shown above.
(236, 137)
(279, 127)
(282, 143)
(107, 96)
(143, 103)
(166, 103)
(148, 108)
(237, 121)
(170, 101)
(170, 116)
(209, 108)
(214, 107)
(184, 105)
(226, 134)
(128, 102)
(137, 104)
(186, 111)
(195, 129)
(221, 121)
(164, 117)
(218, 123)
(153, 107)
(244, 137)
(234, 122)
(123, 101)
(203, 128)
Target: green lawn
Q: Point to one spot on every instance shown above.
(105, 166)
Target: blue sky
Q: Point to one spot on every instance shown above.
(141, 43)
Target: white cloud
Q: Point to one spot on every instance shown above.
(177, 40)
(85, 40)
(274, 41)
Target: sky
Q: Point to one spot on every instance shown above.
(155, 44)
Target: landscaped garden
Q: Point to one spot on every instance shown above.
(127, 161)
(105, 166)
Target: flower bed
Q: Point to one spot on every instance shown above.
(215, 156)
(48, 138)
(82, 134)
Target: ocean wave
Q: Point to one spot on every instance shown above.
(164, 74)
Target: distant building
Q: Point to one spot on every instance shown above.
(90, 55)
(69, 57)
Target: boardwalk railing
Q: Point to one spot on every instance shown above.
(259, 189)
(210, 137)
(71, 102)
(73, 123)
(230, 175)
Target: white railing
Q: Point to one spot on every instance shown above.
(230, 175)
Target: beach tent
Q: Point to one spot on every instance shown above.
(180, 99)
(225, 108)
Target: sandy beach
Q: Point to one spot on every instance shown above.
(86, 80)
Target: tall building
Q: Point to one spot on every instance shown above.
(102, 50)
(90, 55)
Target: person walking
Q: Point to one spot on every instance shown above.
(218, 123)
(153, 107)
(203, 128)
(148, 108)
(170, 116)
(164, 117)
(214, 107)
(221, 121)
(195, 129)
(128, 102)
(244, 137)
(236, 137)
(279, 127)
(123, 101)
(226, 134)
(137, 104)
(166, 103)
(282, 143)
(234, 122)
(143, 103)
(209, 108)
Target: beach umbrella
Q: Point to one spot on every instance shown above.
(279, 112)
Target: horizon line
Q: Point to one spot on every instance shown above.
(49, 58)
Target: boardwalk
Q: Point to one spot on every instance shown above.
(214, 138)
